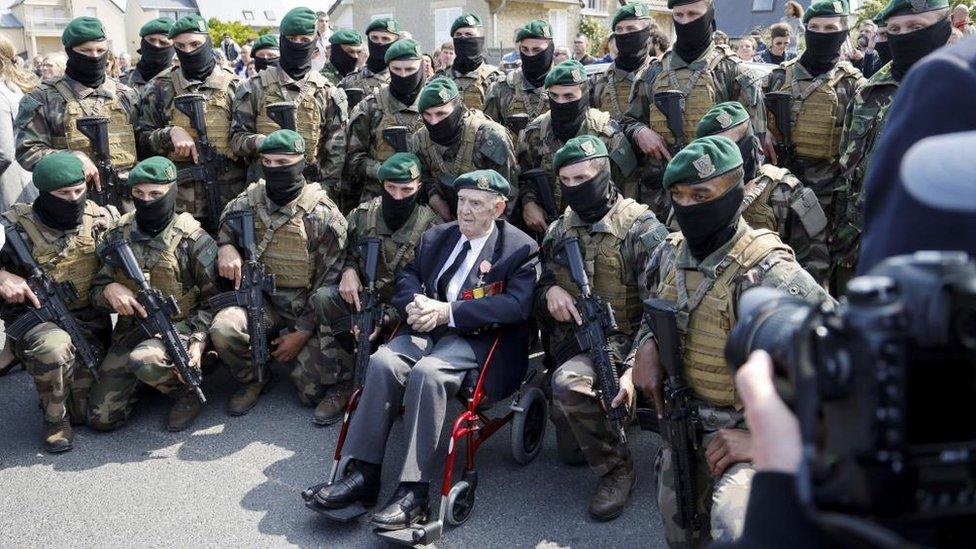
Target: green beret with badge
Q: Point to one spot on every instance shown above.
(403, 49)
(385, 24)
(347, 37)
(909, 7)
(722, 117)
(567, 73)
(299, 21)
(58, 170)
(402, 167)
(631, 11)
(157, 170)
(81, 30)
(466, 20)
(578, 149)
(484, 180)
(703, 159)
(827, 8)
(159, 25)
(437, 92)
(265, 42)
(534, 29)
(191, 23)
(283, 142)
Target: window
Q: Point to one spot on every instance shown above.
(443, 19)
(91, 12)
(172, 14)
(598, 7)
(269, 15)
(59, 13)
(762, 5)
(557, 19)
(39, 13)
(248, 15)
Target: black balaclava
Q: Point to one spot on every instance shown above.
(152, 216)
(153, 60)
(406, 88)
(536, 67)
(632, 49)
(397, 212)
(907, 49)
(709, 225)
(592, 199)
(823, 51)
(884, 52)
(59, 213)
(447, 131)
(296, 58)
(568, 118)
(468, 53)
(342, 61)
(692, 39)
(751, 154)
(261, 63)
(284, 183)
(86, 69)
(376, 62)
(199, 63)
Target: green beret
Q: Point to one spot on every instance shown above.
(826, 8)
(283, 142)
(703, 159)
(385, 24)
(466, 20)
(58, 170)
(405, 48)
(534, 29)
(402, 167)
(155, 169)
(905, 7)
(348, 37)
(438, 91)
(191, 23)
(298, 21)
(484, 180)
(578, 149)
(81, 30)
(265, 42)
(567, 73)
(722, 117)
(631, 11)
(159, 25)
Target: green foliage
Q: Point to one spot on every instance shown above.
(870, 8)
(238, 31)
(596, 30)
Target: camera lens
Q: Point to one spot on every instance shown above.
(768, 320)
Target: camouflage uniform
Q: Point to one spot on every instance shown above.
(819, 112)
(714, 77)
(610, 89)
(753, 257)
(614, 249)
(46, 351)
(331, 74)
(862, 126)
(158, 115)
(366, 80)
(180, 261)
(135, 80)
(396, 251)
(301, 244)
(475, 84)
(515, 95)
(321, 119)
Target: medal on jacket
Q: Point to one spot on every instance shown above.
(483, 269)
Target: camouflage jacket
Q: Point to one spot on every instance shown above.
(514, 87)
(135, 80)
(475, 84)
(331, 74)
(620, 84)
(365, 133)
(366, 80)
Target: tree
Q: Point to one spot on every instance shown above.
(596, 30)
(873, 7)
(238, 31)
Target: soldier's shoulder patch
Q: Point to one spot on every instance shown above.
(704, 166)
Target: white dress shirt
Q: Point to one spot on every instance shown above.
(454, 286)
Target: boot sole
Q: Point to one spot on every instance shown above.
(328, 421)
(59, 450)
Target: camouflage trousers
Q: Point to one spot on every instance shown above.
(192, 197)
(722, 501)
(113, 397)
(62, 382)
(228, 333)
(334, 320)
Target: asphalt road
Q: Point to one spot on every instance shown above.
(235, 482)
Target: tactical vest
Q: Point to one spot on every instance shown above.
(464, 161)
(615, 95)
(217, 110)
(283, 242)
(817, 112)
(707, 313)
(523, 102)
(596, 123)
(308, 115)
(121, 139)
(756, 208)
(604, 263)
(381, 149)
(162, 267)
(397, 249)
(75, 262)
(699, 89)
(473, 88)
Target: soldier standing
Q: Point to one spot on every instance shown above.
(300, 238)
(617, 237)
(345, 45)
(397, 220)
(265, 52)
(522, 90)
(631, 28)
(59, 229)
(569, 116)
(164, 130)
(155, 54)
(469, 71)
(703, 270)
(179, 258)
(381, 33)
(319, 108)
(456, 140)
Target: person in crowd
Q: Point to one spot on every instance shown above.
(720, 37)
(15, 182)
(53, 65)
(779, 40)
(745, 49)
(581, 50)
(793, 18)
(230, 48)
(561, 54)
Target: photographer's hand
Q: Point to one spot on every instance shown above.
(776, 442)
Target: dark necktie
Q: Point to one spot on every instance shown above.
(451, 271)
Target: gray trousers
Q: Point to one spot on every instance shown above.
(422, 376)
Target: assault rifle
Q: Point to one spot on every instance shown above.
(210, 163)
(354, 96)
(517, 122)
(54, 298)
(669, 103)
(282, 114)
(396, 136)
(255, 284)
(371, 310)
(160, 310)
(95, 128)
(781, 105)
(538, 179)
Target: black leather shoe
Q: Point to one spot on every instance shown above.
(406, 508)
(353, 487)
